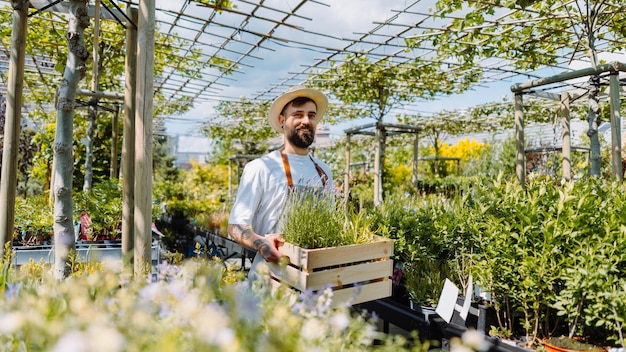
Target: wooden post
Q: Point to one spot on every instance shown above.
(114, 137)
(346, 179)
(143, 137)
(616, 132)
(8, 180)
(520, 158)
(567, 150)
(93, 106)
(128, 145)
(415, 156)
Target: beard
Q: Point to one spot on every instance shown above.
(301, 137)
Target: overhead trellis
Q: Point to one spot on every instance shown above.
(235, 44)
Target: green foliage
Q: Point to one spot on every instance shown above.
(498, 157)
(550, 255)
(552, 246)
(219, 5)
(46, 42)
(317, 219)
(103, 203)
(380, 85)
(5, 267)
(34, 214)
(198, 194)
(33, 219)
(26, 148)
(424, 279)
(242, 129)
(472, 38)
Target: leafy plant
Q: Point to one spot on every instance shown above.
(103, 203)
(424, 280)
(317, 219)
(33, 220)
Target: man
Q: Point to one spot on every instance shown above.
(255, 218)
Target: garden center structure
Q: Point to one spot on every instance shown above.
(233, 46)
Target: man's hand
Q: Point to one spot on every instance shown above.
(268, 245)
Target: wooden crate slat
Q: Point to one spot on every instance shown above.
(350, 274)
(334, 277)
(368, 292)
(310, 259)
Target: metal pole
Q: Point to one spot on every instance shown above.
(520, 158)
(591, 71)
(566, 151)
(378, 168)
(616, 132)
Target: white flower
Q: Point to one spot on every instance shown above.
(312, 329)
(178, 288)
(11, 322)
(213, 327)
(457, 347)
(73, 341)
(150, 292)
(247, 304)
(475, 340)
(339, 321)
(369, 334)
(105, 339)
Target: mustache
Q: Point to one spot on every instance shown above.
(305, 128)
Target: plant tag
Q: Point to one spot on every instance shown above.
(447, 301)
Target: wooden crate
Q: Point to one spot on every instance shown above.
(357, 273)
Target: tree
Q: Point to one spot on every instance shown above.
(74, 71)
(381, 85)
(240, 128)
(531, 34)
(44, 34)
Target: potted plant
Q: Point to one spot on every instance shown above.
(424, 279)
(567, 344)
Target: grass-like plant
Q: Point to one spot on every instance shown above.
(315, 219)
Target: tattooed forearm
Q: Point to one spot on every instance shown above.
(246, 233)
(263, 247)
(241, 232)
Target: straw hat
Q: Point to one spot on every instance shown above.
(292, 93)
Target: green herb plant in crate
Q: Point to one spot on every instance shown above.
(328, 246)
(315, 219)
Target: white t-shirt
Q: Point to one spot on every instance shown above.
(263, 189)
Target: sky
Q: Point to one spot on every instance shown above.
(345, 19)
(341, 19)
